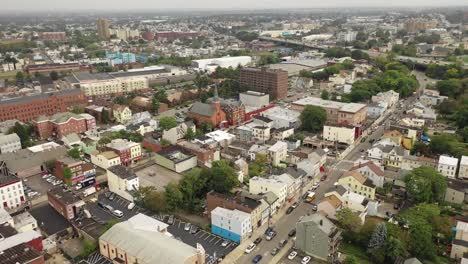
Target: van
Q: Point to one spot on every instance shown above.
(117, 213)
(130, 206)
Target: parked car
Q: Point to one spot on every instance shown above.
(314, 207)
(109, 208)
(282, 243)
(112, 196)
(194, 229)
(250, 248)
(274, 251)
(117, 213)
(225, 243)
(292, 255)
(324, 177)
(315, 186)
(268, 230)
(130, 206)
(295, 205)
(257, 259)
(258, 240)
(289, 210)
(187, 227)
(305, 260)
(292, 233)
(271, 235)
(101, 204)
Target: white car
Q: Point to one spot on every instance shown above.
(292, 255)
(315, 186)
(305, 260)
(117, 213)
(225, 243)
(130, 206)
(187, 227)
(250, 248)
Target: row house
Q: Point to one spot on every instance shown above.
(128, 151)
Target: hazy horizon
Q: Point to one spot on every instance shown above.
(120, 5)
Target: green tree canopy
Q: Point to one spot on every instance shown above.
(425, 184)
(313, 118)
(74, 153)
(166, 123)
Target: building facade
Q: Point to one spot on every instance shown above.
(447, 166)
(63, 124)
(122, 181)
(234, 225)
(128, 151)
(269, 81)
(9, 143)
(11, 192)
(103, 29)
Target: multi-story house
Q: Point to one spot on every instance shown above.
(278, 153)
(11, 191)
(63, 124)
(105, 159)
(448, 166)
(318, 237)
(234, 225)
(122, 113)
(128, 151)
(371, 171)
(122, 181)
(259, 185)
(460, 242)
(9, 143)
(358, 183)
(463, 171)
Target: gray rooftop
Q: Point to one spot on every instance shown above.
(202, 109)
(5, 139)
(26, 99)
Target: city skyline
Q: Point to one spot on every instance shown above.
(52, 5)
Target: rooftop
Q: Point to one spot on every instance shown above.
(121, 144)
(245, 201)
(27, 99)
(176, 154)
(230, 214)
(464, 160)
(19, 254)
(67, 198)
(25, 159)
(6, 139)
(123, 172)
(446, 160)
(345, 107)
(319, 220)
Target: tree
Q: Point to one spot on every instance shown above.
(193, 186)
(221, 177)
(19, 76)
(190, 134)
(269, 58)
(74, 153)
(359, 55)
(421, 239)
(173, 195)
(161, 96)
(351, 260)
(77, 110)
(394, 248)
(155, 104)
(166, 123)
(452, 87)
(24, 133)
(313, 118)
(348, 220)
(325, 95)
(448, 143)
(67, 175)
(54, 75)
(425, 184)
(378, 238)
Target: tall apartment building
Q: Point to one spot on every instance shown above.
(28, 108)
(103, 28)
(271, 81)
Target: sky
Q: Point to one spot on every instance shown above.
(122, 5)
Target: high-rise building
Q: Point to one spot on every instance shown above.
(103, 28)
(270, 81)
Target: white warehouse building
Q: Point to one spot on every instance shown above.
(234, 225)
(210, 65)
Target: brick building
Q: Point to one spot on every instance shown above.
(65, 203)
(271, 81)
(80, 170)
(235, 111)
(63, 124)
(205, 155)
(58, 67)
(53, 36)
(210, 113)
(128, 151)
(28, 108)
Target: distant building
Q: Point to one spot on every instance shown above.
(53, 36)
(272, 82)
(128, 151)
(9, 143)
(63, 124)
(145, 240)
(65, 203)
(254, 99)
(460, 241)
(463, 171)
(122, 181)
(11, 188)
(318, 237)
(46, 68)
(210, 65)
(234, 225)
(105, 159)
(347, 36)
(103, 28)
(176, 159)
(117, 58)
(28, 108)
(390, 97)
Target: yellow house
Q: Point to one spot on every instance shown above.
(122, 113)
(358, 183)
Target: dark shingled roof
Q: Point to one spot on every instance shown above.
(67, 198)
(19, 254)
(122, 172)
(202, 109)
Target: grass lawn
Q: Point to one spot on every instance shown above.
(356, 251)
(8, 75)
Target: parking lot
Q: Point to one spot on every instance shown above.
(210, 242)
(102, 216)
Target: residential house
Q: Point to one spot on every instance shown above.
(259, 185)
(318, 237)
(205, 154)
(390, 97)
(233, 225)
(11, 188)
(448, 166)
(460, 242)
(358, 183)
(128, 151)
(456, 191)
(371, 171)
(122, 181)
(376, 110)
(9, 143)
(282, 133)
(105, 159)
(143, 239)
(411, 162)
(278, 153)
(341, 133)
(176, 159)
(421, 111)
(393, 156)
(177, 133)
(330, 205)
(463, 170)
(65, 203)
(394, 135)
(122, 113)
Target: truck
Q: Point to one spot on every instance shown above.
(310, 197)
(89, 191)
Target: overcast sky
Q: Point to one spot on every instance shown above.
(113, 5)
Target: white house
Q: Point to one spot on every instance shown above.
(11, 192)
(177, 133)
(463, 171)
(259, 185)
(390, 97)
(447, 166)
(293, 183)
(105, 159)
(375, 110)
(278, 152)
(341, 134)
(282, 117)
(9, 143)
(371, 171)
(122, 181)
(234, 225)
